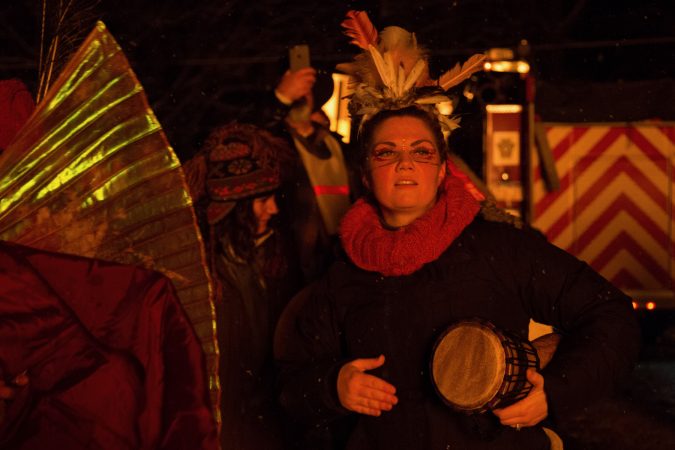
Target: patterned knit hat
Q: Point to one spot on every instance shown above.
(237, 161)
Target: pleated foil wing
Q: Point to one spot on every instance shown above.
(92, 174)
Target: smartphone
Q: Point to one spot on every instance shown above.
(298, 57)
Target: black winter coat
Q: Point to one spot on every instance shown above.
(491, 270)
(247, 309)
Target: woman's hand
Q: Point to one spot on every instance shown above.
(364, 393)
(529, 411)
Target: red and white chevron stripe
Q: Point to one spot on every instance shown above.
(615, 207)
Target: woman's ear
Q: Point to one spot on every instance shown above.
(442, 172)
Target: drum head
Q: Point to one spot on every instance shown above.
(468, 365)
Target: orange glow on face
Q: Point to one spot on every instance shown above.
(635, 305)
(405, 169)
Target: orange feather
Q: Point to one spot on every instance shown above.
(357, 25)
(459, 73)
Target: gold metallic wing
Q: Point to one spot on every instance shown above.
(92, 174)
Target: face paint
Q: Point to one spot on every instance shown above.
(423, 152)
(405, 169)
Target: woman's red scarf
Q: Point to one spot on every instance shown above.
(402, 251)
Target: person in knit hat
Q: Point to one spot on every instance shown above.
(233, 179)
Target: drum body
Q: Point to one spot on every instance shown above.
(476, 367)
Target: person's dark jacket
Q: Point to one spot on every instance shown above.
(316, 249)
(252, 296)
(493, 271)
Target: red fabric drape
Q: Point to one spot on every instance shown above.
(112, 359)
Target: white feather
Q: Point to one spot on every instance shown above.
(432, 100)
(414, 74)
(400, 81)
(380, 65)
(391, 70)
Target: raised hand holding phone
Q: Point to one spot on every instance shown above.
(298, 81)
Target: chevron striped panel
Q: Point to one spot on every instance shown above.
(615, 207)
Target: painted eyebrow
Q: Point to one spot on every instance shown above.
(417, 142)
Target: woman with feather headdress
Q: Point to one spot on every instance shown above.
(354, 349)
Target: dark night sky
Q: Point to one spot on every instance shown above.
(204, 62)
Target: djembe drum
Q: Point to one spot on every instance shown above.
(476, 367)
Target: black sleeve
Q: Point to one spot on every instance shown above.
(308, 352)
(601, 334)
(273, 115)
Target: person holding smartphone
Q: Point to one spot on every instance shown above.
(318, 185)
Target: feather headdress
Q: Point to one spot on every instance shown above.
(392, 72)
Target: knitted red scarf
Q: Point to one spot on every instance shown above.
(373, 247)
